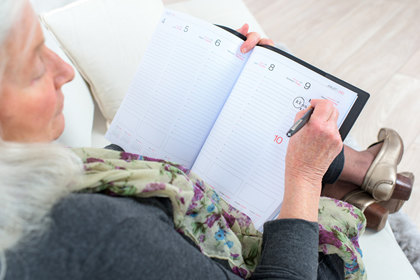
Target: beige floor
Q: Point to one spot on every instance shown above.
(374, 45)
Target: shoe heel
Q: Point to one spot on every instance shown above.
(376, 216)
(403, 186)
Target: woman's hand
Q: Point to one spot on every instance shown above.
(314, 147)
(309, 154)
(253, 38)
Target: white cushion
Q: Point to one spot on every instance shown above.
(231, 13)
(105, 39)
(78, 105)
(107, 47)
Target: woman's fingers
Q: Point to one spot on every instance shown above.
(334, 115)
(265, 41)
(314, 147)
(323, 109)
(244, 29)
(301, 113)
(252, 40)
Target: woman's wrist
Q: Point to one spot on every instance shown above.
(301, 198)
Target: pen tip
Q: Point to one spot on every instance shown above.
(289, 134)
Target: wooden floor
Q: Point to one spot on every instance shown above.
(374, 45)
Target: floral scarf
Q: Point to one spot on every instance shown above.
(217, 228)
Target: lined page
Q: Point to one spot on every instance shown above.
(181, 84)
(244, 155)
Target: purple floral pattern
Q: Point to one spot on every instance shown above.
(93, 160)
(230, 220)
(239, 271)
(340, 226)
(128, 156)
(212, 219)
(202, 215)
(154, 187)
(328, 237)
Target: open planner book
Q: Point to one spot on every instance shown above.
(198, 101)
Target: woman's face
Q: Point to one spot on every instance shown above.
(31, 101)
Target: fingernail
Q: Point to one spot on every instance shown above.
(244, 50)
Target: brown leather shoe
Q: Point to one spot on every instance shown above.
(375, 214)
(382, 174)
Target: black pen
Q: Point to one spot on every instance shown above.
(300, 122)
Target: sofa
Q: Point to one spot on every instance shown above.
(104, 41)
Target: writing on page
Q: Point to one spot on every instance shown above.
(248, 142)
(195, 99)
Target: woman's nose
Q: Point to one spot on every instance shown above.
(63, 73)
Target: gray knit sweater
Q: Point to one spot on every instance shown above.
(94, 236)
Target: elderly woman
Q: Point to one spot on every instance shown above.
(150, 227)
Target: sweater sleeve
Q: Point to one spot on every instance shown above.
(290, 250)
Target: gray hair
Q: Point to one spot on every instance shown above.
(33, 177)
(9, 10)
(9, 14)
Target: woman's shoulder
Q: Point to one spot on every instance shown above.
(82, 228)
(93, 205)
(102, 212)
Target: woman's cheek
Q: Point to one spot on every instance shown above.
(44, 102)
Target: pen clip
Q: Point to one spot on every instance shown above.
(296, 124)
